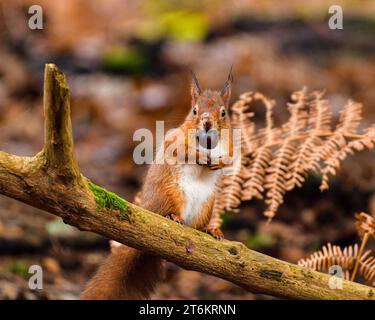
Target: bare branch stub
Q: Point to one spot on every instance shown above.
(58, 145)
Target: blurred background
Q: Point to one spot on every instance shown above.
(127, 63)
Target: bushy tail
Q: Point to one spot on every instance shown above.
(127, 274)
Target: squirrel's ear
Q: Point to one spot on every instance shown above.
(196, 89)
(226, 91)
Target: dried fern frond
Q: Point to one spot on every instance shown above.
(241, 119)
(278, 174)
(365, 224)
(277, 159)
(306, 159)
(261, 157)
(367, 269)
(336, 149)
(256, 173)
(351, 259)
(229, 189)
(332, 255)
(298, 113)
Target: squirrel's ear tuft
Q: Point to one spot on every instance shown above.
(226, 91)
(196, 89)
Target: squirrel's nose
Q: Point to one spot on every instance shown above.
(206, 121)
(207, 125)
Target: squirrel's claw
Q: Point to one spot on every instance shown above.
(215, 166)
(176, 218)
(215, 232)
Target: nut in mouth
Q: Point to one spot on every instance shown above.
(207, 140)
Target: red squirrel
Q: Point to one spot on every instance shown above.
(183, 190)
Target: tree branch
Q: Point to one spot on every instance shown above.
(58, 145)
(51, 181)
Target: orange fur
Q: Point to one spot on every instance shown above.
(118, 277)
(205, 216)
(128, 273)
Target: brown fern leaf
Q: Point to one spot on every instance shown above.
(305, 159)
(367, 268)
(269, 134)
(230, 187)
(256, 173)
(277, 177)
(241, 119)
(365, 224)
(298, 113)
(261, 158)
(350, 118)
(319, 114)
(330, 154)
(336, 149)
(331, 255)
(248, 181)
(277, 159)
(367, 141)
(278, 173)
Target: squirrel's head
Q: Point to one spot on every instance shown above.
(209, 110)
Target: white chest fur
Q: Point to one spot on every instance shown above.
(198, 184)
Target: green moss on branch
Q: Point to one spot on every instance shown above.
(107, 200)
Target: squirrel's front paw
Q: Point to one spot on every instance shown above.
(215, 166)
(219, 163)
(176, 218)
(215, 232)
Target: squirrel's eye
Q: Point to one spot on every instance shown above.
(223, 113)
(195, 111)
